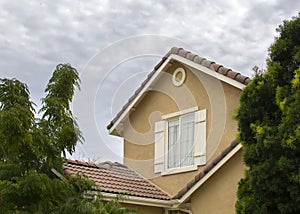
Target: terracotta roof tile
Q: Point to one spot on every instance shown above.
(183, 53)
(151, 74)
(199, 176)
(224, 70)
(191, 56)
(232, 74)
(209, 167)
(206, 63)
(160, 63)
(194, 58)
(174, 50)
(198, 59)
(215, 67)
(247, 81)
(115, 178)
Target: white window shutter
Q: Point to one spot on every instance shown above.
(200, 137)
(159, 147)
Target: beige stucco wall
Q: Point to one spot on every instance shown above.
(218, 194)
(145, 209)
(199, 89)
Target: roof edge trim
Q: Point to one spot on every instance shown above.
(141, 92)
(136, 200)
(208, 71)
(186, 196)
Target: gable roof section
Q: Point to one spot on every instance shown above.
(190, 57)
(115, 178)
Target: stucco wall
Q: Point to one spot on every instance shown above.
(145, 209)
(218, 194)
(199, 89)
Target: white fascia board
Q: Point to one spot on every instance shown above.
(187, 195)
(208, 71)
(136, 200)
(136, 99)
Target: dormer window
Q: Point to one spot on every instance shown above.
(180, 141)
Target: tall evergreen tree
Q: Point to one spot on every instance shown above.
(269, 130)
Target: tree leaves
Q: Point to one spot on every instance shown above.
(57, 119)
(30, 148)
(269, 126)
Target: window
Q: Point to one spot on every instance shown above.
(180, 141)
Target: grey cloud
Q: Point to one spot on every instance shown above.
(37, 35)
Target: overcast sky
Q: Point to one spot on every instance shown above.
(114, 44)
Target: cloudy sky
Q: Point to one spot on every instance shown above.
(114, 44)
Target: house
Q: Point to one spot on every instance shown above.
(179, 137)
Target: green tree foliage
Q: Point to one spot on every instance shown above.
(32, 148)
(269, 130)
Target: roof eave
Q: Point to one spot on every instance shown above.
(207, 71)
(113, 126)
(137, 200)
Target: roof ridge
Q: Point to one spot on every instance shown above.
(82, 163)
(95, 165)
(209, 167)
(208, 63)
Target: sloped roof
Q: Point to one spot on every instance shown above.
(115, 178)
(118, 179)
(207, 169)
(214, 67)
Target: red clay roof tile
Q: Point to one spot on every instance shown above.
(115, 178)
(206, 63)
(191, 56)
(183, 53)
(232, 74)
(224, 70)
(199, 59)
(215, 67)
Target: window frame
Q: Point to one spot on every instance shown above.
(179, 120)
(161, 142)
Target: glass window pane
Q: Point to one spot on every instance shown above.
(181, 141)
(173, 144)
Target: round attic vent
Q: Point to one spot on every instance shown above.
(178, 77)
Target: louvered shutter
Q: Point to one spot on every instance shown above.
(159, 147)
(200, 137)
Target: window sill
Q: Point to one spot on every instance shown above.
(179, 170)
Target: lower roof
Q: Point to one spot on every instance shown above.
(115, 178)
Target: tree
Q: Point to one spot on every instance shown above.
(269, 129)
(33, 142)
(31, 149)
